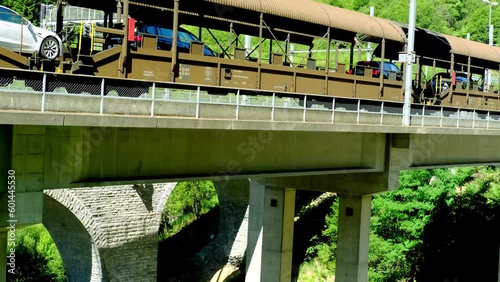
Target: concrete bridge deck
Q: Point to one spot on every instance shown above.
(353, 147)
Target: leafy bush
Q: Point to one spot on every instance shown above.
(435, 226)
(37, 257)
(188, 201)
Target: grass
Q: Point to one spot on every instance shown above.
(314, 271)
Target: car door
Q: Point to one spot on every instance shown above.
(165, 38)
(10, 32)
(17, 30)
(30, 38)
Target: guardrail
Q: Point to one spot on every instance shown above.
(61, 93)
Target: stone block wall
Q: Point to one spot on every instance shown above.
(107, 233)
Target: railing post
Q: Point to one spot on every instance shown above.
(153, 99)
(333, 110)
(382, 113)
(272, 107)
(238, 104)
(423, 115)
(101, 108)
(44, 90)
(305, 106)
(441, 120)
(474, 119)
(198, 102)
(458, 118)
(357, 115)
(488, 120)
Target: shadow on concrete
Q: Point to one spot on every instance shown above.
(175, 254)
(146, 192)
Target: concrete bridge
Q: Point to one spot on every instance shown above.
(353, 153)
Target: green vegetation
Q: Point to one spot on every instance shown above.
(30, 9)
(37, 257)
(439, 224)
(187, 203)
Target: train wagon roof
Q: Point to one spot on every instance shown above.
(473, 49)
(307, 16)
(322, 14)
(443, 45)
(306, 11)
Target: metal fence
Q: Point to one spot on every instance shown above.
(48, 15)
(61, 93)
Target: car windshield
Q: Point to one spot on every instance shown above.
(185, 36)
(9, 16)
(163, 32)
(166, 32)
(391, 67)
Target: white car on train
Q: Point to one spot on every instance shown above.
(34, 39)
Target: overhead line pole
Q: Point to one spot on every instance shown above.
(409, 63)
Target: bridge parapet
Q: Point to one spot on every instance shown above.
(64, 94)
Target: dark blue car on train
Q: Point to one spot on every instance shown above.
(164, 34)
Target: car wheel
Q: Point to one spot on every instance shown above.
(50, 48)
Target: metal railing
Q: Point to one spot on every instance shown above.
(62, 93)
(48, 15)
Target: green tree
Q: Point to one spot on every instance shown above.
(30, 9)
(37, 257)
(429, 228)
(186, 203)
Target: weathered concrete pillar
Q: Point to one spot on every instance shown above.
(4, 167)
(3, 256)
(117, 238)
(22, 152)
(270, 233)
(21, 156)
(353, 238)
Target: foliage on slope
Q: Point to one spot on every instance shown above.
(188, 201)
(37, 257)
(434, 227)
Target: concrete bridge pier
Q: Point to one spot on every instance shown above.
(353, 238)
(270, 233)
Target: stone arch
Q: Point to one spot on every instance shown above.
(78, 251)
(66, 198)
(107, 226)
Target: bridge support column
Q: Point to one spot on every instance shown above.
(270, 233)
(22, 152)
(353, 238)
(3, 256)
(116, 238)
(5, 138)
